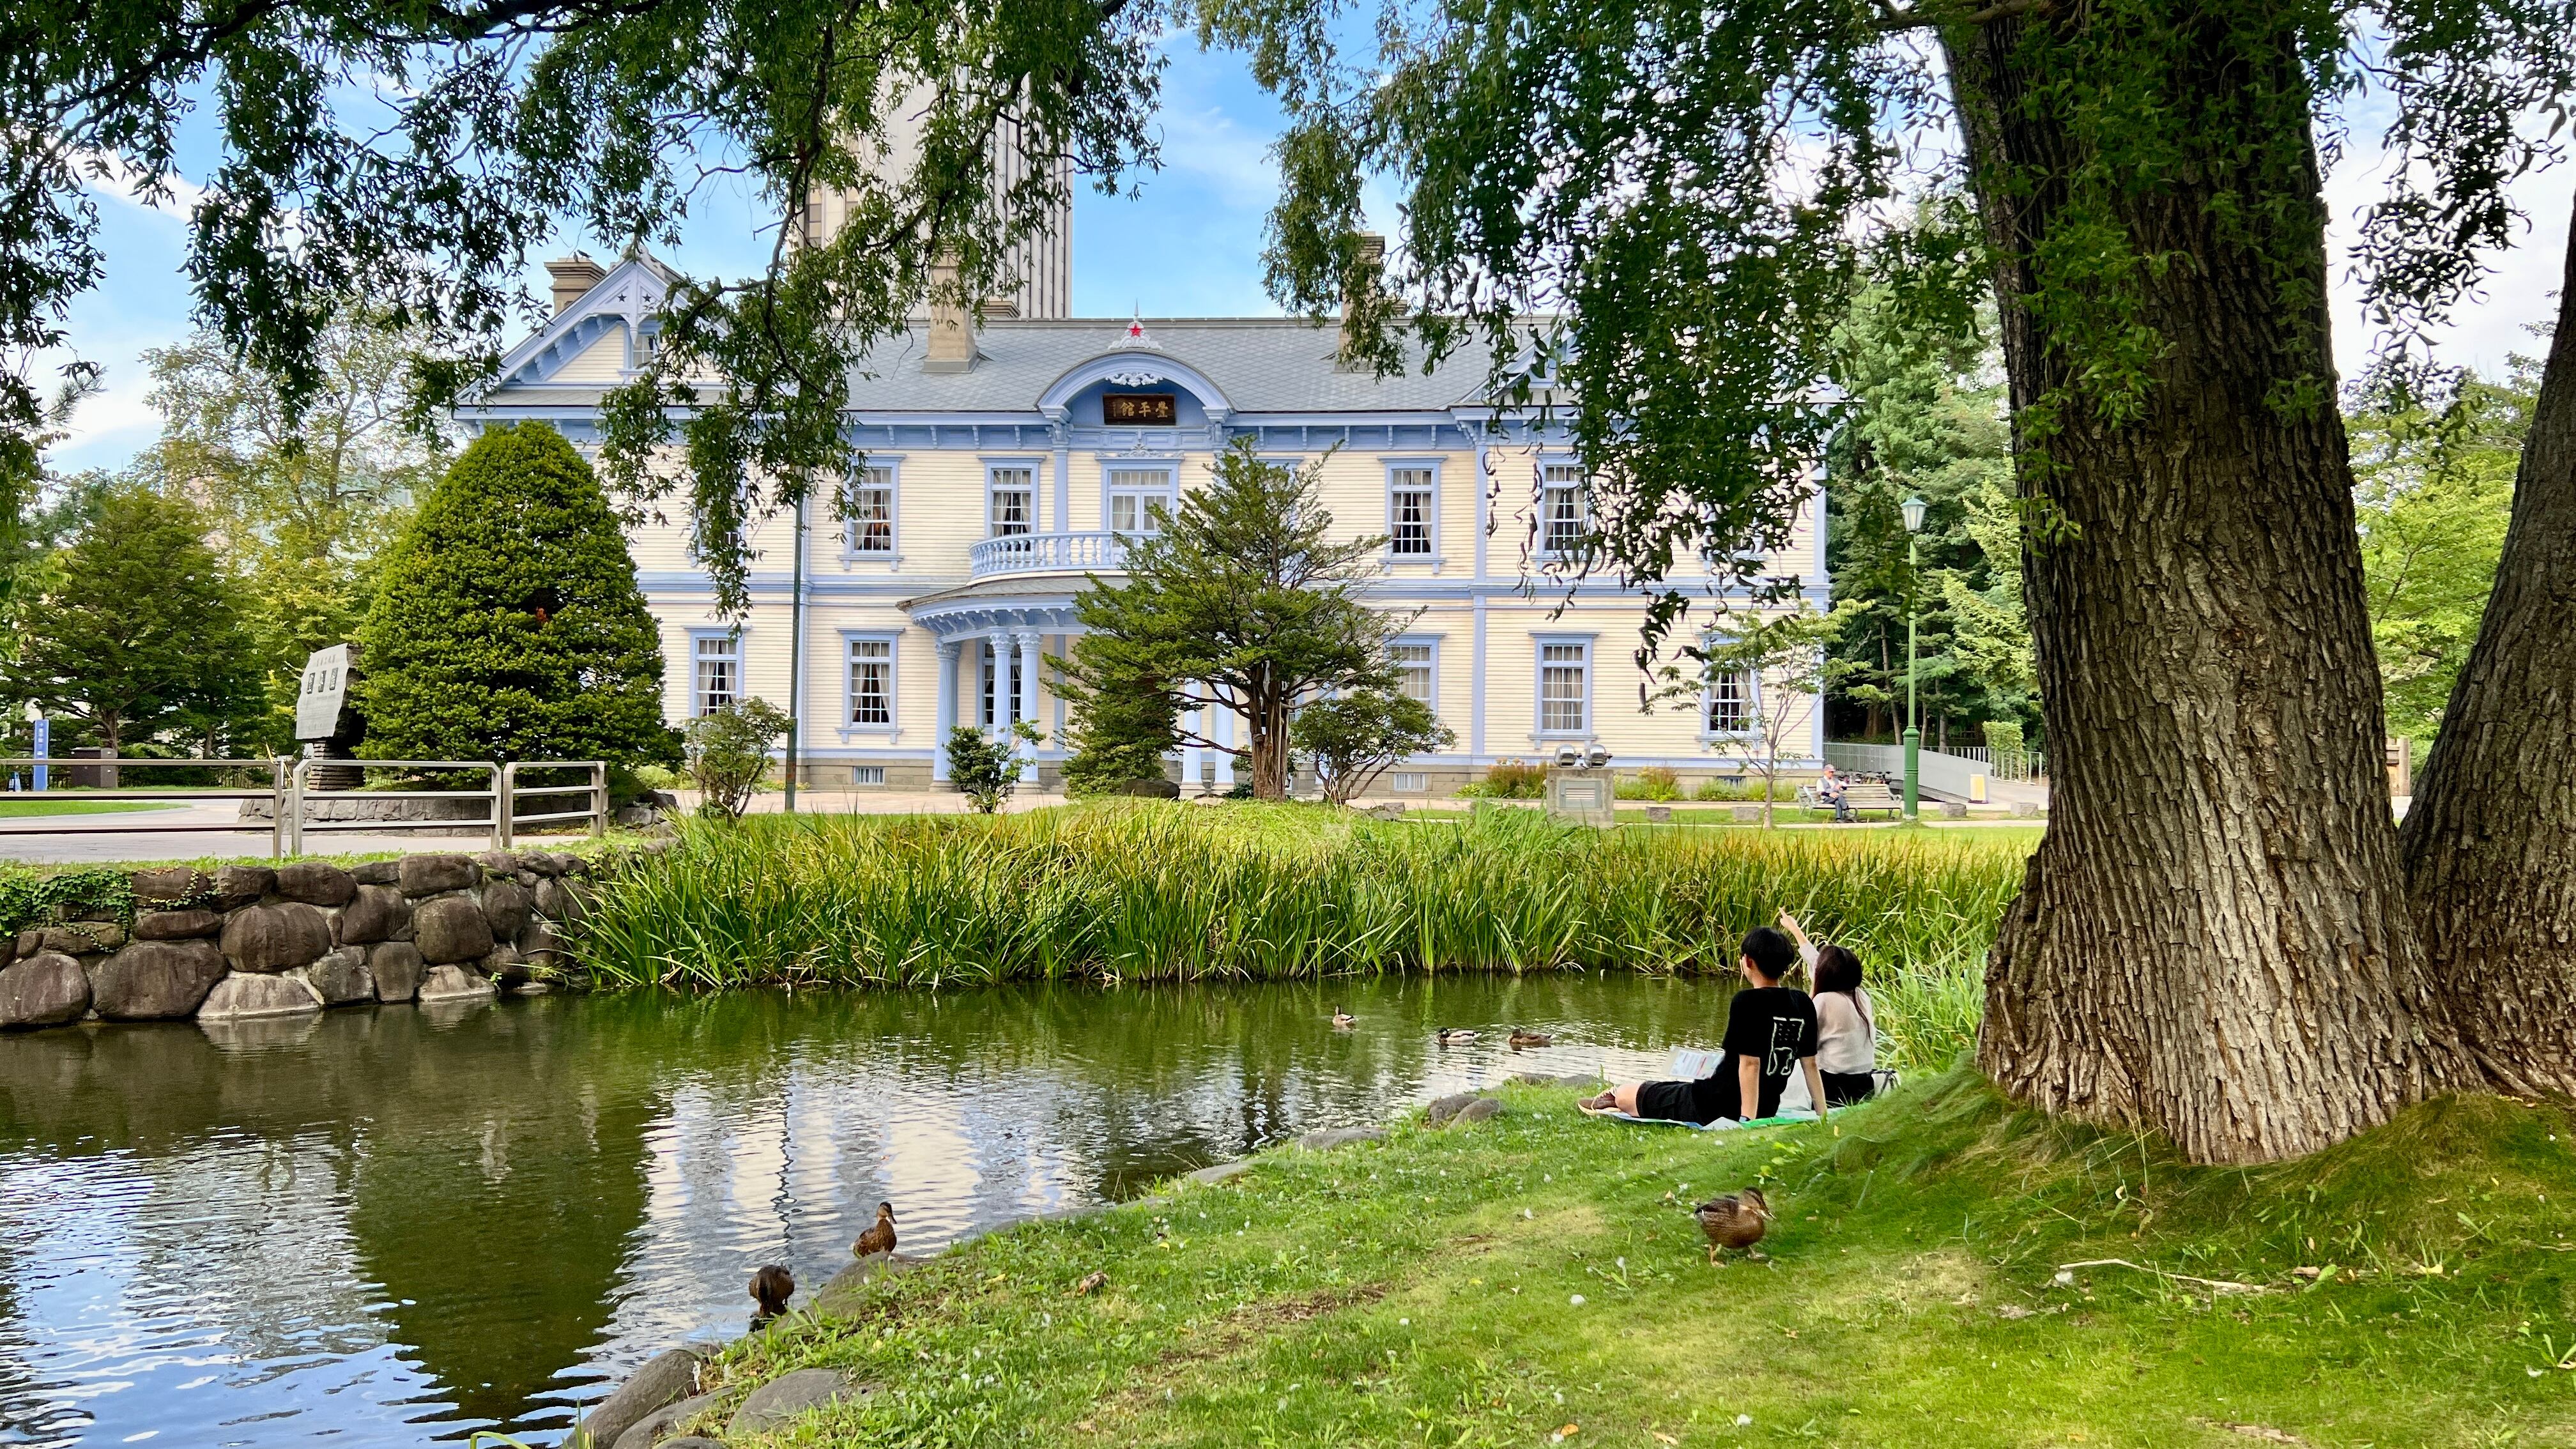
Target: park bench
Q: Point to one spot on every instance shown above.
(1863, 795)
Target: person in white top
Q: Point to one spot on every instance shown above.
(1846, 1024)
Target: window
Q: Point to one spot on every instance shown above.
(1013, 501)
(1730, 703)
(872, 512)
(1411, 782)
(719, 682)
(867, 774)
(1413, 674)
(872, 683)
(1409, 511)
(1564, 689)
(1134, 495)
(1001, 704)
(1561, 509)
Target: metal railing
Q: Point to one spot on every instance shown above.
(594, 787)
(2016, 765)
(492, 810)
(110, 824)
(1020, 553)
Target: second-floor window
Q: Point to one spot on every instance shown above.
(872, 681)
(872, 512)
(1013, 498)
(1134, 496)
(719, 681)
(1560, 501)
(1409, 512)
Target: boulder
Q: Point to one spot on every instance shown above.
(450, 928)
(650, 1429)
(693, 1441)
(788, 1397)
(1659, 815)
(176, 925)
(539, 945)
(155, 980)
(498, 862)
(1221, 1173)
(1154, 789)
(503, 965)
(340, 978)
(243, 995)
(396, 968)
(47, 989)
(1746, 813)
(1953, 810)
(28, 943)
(1332, 1137)
(316, 883)
(79, 938)
(665, 1378)
(506, 905)
(1476, 1111)
(237, 886)
(274, 937)
(542, 862)
(377, 872)
(2025, 810)
(453, 983)
(563, 899)
(427, 875)
(166, 883)
(375, 912)
(1444, 1108)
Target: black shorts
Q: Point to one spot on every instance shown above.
(1842, 1088)
(1703, 1101)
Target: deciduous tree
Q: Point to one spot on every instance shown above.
(1356, 737)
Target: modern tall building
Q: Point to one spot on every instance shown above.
(992, 471)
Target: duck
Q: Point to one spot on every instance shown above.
(1520, 1039)
(1452, 1036)
(1343, 1020)
(1734, 1220)
(879, 1238)
(771, 1287)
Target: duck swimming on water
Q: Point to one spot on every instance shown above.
(1452, 1036)
(1521, 1039)
(1343, 1020)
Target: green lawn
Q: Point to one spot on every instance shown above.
(1534, 1280)
(25, 806)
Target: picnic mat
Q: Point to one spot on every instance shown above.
(1722, 1124)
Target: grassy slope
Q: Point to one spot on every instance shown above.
(1420, 1292)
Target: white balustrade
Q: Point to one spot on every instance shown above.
(1022, 553)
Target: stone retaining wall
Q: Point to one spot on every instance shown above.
(250, 941)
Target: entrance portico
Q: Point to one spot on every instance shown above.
(1014, 617)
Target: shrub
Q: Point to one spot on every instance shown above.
(508, 625)
(1509, 780)
(1119, 737)
(2003, 738)
(1356, 737)
(983, 768)
(1654, 782)
(728, 753)
(1740, 789)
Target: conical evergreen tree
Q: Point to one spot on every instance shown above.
(508, 625)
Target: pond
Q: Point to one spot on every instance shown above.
(394, 1226)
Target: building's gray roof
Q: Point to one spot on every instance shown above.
(1262, 364)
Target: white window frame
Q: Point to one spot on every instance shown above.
(993, 468)
(1539, 664)
(1409, 782)
(1169, 493)
(1430, 552)
(893, 551)
(892, 639)
(1547, 548)
(1752, 708)
(733, 640)
(1422, 641)
(874, 777)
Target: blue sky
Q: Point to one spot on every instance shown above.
(1187, 243)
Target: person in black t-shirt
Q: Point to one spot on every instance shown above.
(1770, 1032)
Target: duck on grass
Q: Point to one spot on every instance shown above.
(1940, 1269)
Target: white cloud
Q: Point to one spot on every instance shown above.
(117, 179)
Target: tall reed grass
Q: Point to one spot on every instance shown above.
(1151, 891)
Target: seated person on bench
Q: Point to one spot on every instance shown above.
(1770, 1032)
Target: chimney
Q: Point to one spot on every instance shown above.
(574, 276)
(1372, 251)
(952, 332)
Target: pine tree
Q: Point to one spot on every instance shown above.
(508, 624)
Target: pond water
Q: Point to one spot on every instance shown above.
(394, 1226)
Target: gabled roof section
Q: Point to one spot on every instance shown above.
(631, 292)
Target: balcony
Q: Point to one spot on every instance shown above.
(1043, 553)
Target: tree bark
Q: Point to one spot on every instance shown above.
(2212, 941)
(2490, 866)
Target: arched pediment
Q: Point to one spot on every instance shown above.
(1135, 368)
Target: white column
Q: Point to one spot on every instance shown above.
(1028, 702)
(1224, 736)
(1192, 758)
(948, 649)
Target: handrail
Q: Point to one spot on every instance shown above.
(495, 819)
(596, 787)
(1017, 553)
(275, 794)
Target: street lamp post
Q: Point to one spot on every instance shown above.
(1913, 508)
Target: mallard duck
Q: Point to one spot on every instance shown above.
(1521, 1039)
(1452, 1036)
(1734, 1220)
(771, 1287)
(1343, 1020)
(879, 1238)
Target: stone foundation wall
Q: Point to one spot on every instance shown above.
(250, 941)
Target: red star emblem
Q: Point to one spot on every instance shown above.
(1135, 329)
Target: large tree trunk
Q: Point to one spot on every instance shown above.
(2212, 941)
(2488, 853)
